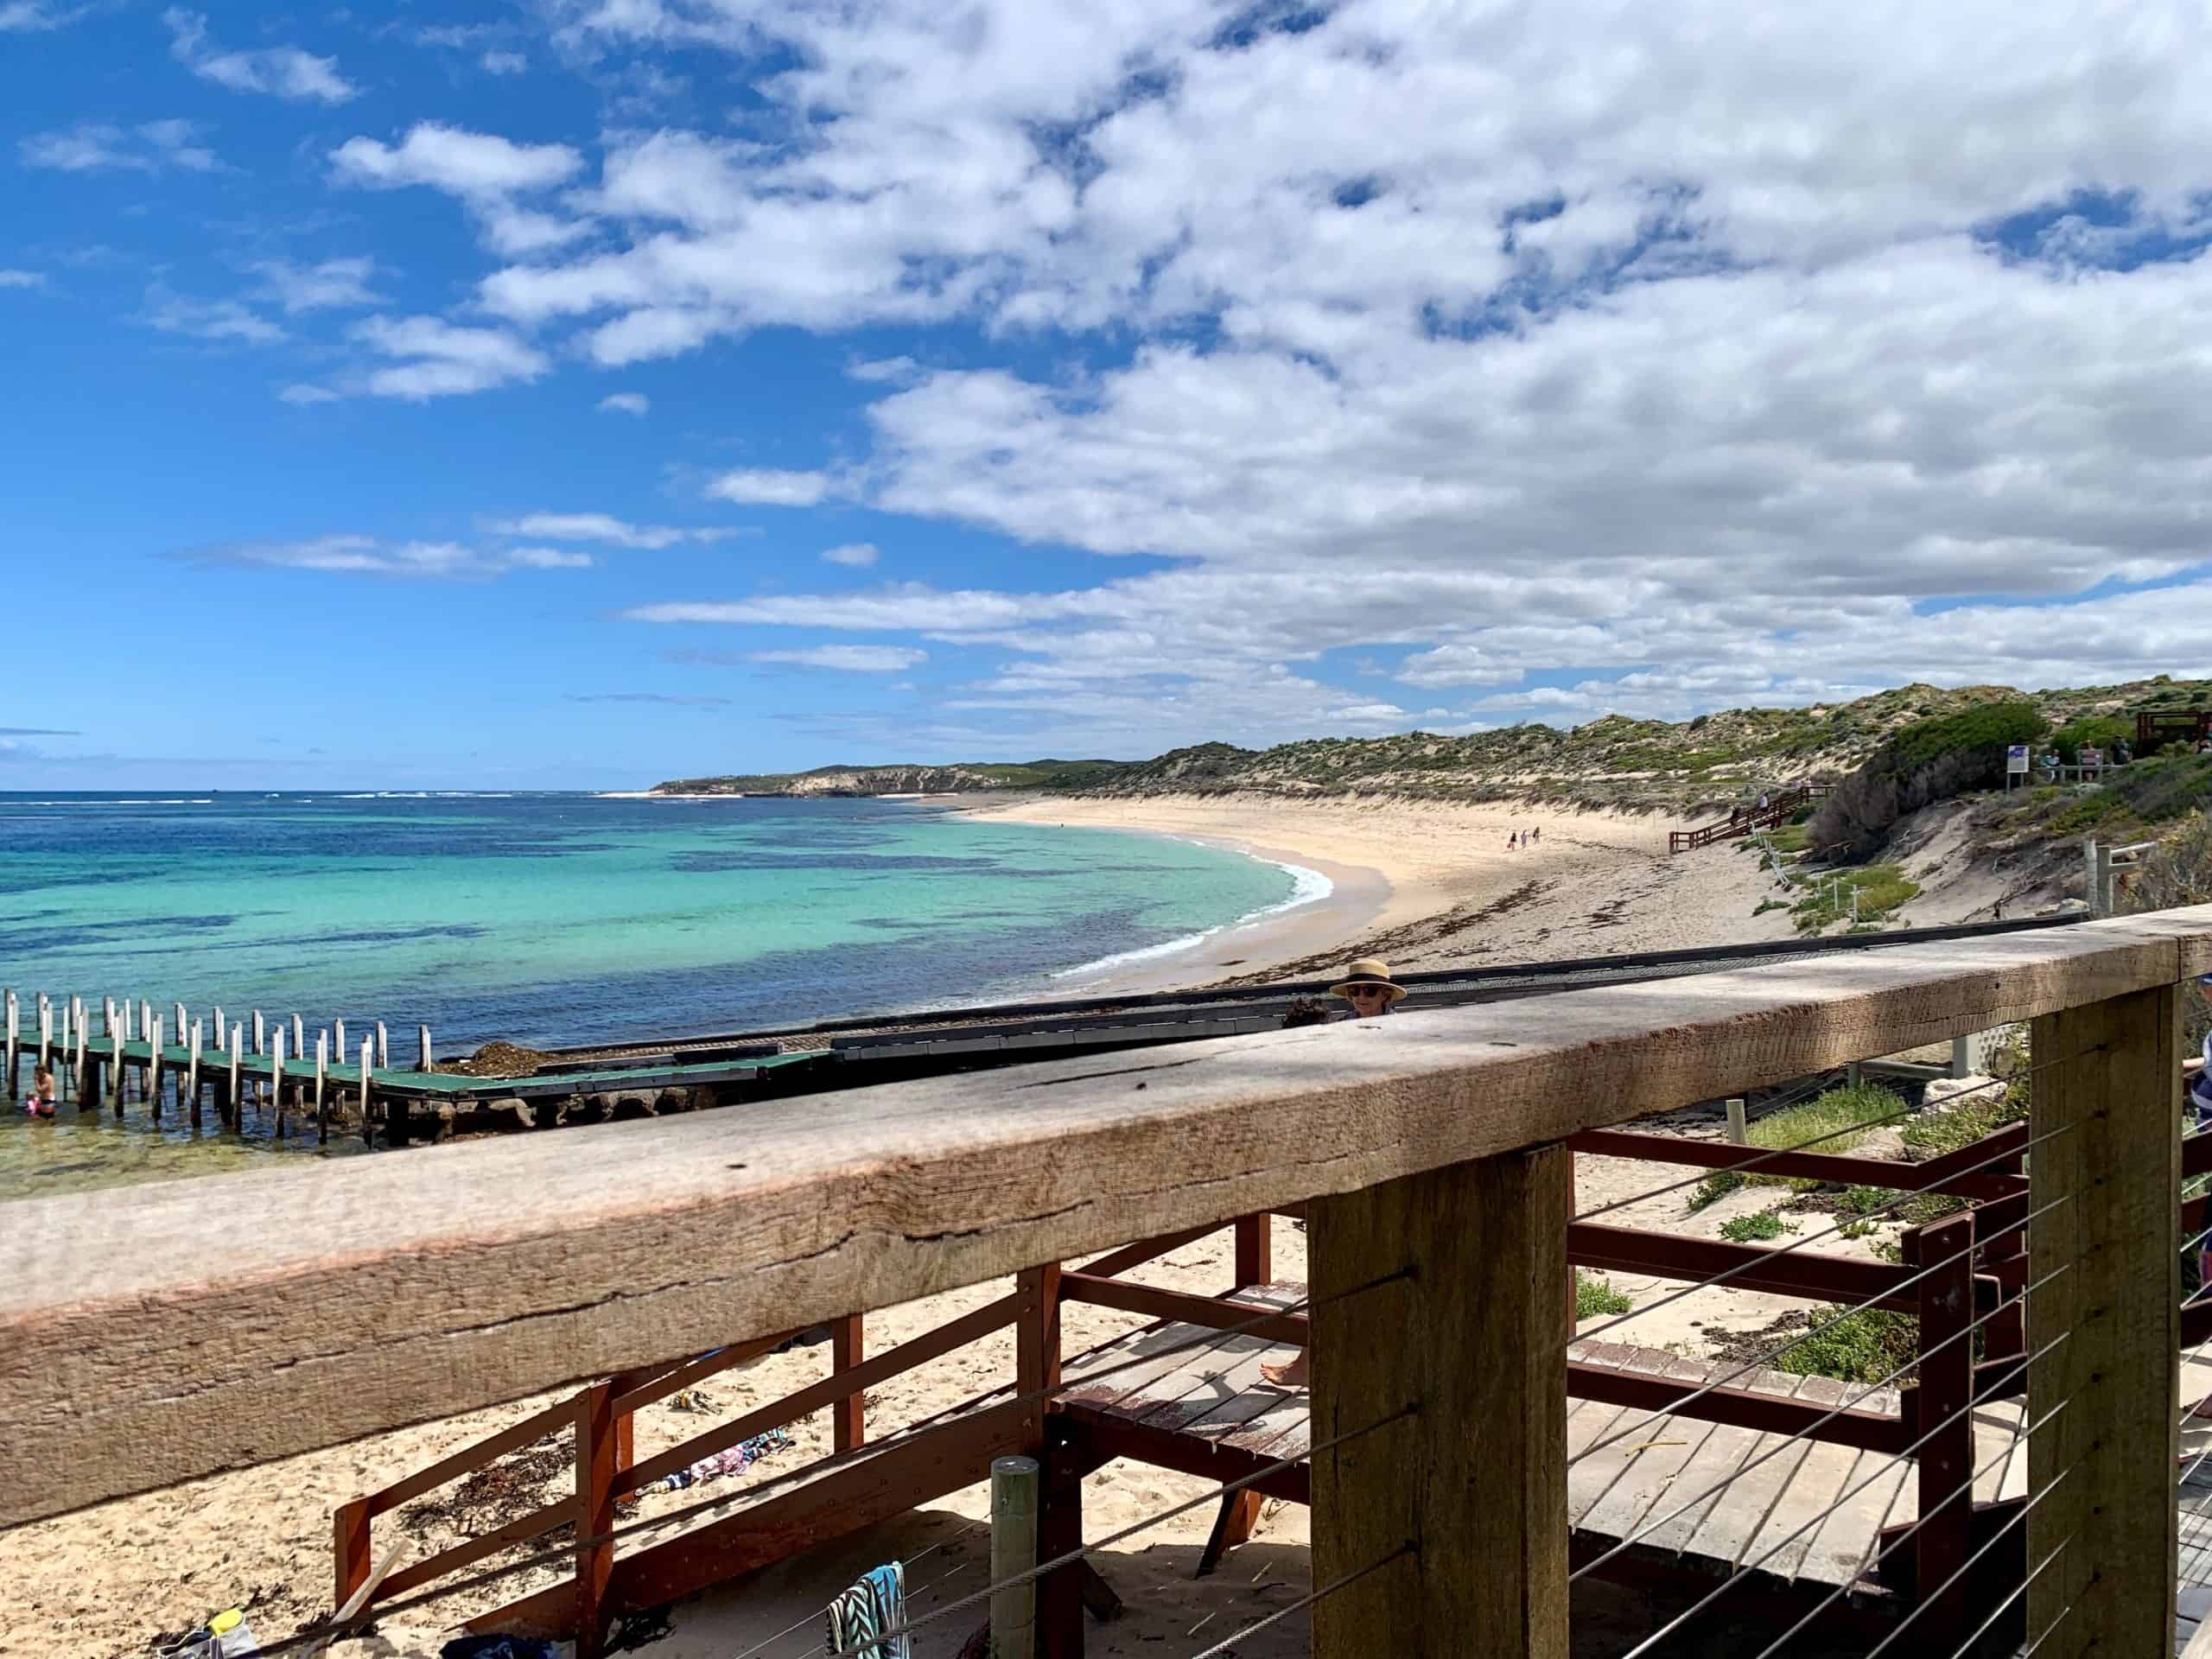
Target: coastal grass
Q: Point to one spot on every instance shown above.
(1837, 1121)
(1862, 1347)
(1757, 1228)
(1881, 889)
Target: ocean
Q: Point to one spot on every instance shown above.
(557, 919)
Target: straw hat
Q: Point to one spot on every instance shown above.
(1368, 970)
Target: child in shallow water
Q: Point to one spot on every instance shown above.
(40, 1102)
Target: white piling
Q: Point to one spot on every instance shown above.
(260, 1033)
(277, 1075)
(237, 1097)
(337, 1041)
(299, 1037)
(383, 1046)
(154, 1062)
(367, 1061)
(322, 1086)
(192, 1073)
(1737, 1129)
(423, 1033)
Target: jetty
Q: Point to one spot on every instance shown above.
(1470, 1456)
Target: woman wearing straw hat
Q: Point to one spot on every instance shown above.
(1367, 985)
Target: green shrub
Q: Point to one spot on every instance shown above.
(1594, 1295)
(1750, 1229)
(1862, 1347)
(2103, 730)
(1929, 760)
(1976, 1117)
(1881, 889)
(2165, 788)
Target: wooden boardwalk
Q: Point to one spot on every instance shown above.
(1168, 1394)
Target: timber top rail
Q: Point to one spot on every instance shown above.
(469, 1275)
(1779, 810)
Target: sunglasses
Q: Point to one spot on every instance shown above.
(1369, 990)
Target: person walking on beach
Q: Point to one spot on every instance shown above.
(1513, 842)
(1367, 985)
(41, 1102)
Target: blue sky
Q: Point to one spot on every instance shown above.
(582, 392)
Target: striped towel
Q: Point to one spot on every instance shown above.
(862, 1614)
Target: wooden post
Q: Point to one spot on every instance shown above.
(351, 1526)
(384, 1048)
(367, 1068)
(1946, 1399)
(847, 1347)
(338, 1042)
(217, 1025)
(1036, 1346)
(238, 1082)
(299, 1037)
(276, 1076)
(260, 1034)
(1739, 1130)
(423, 1034)
(595, 1504)
(1060, 1531)
(323, 1087)
(192, 1073)
(178, 1026)
(14, 1040)
(45, 1032)
(1254, 1249)
(1475, 1340)
(154, 1064)
(2108, 1088)
(1013, 1552)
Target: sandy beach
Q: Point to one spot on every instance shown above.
(1433, 884)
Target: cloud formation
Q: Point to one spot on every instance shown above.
(442, 360)
(624, 402)
(857, 555)
(283, 71)
(488, 174)
(356, 555)
(848, 659)
(331, 284)
(607, 529)
(767, 488)
(93, 146)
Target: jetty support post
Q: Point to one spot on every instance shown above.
(179, 1026)
(154, 1062)
(367, 1068)
(322, 1088)
(299, 1037)
(192, 1071)
(384, 1048)
(1467, 1488)
(237, 1096)
(338, 1042)
(260, 1034)
(45, 1032)
(2106, 1123)
(15, 1015)
(595, 1461)
(276, 1076)
(423, 1036)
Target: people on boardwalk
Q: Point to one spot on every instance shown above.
(2093, 760)
(40, 1102)
(1367, 985)
(2123, 752)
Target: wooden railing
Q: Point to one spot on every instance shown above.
(1425, 1151)
(1779, 810)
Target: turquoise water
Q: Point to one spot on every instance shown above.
(550, 920)
(569, 918)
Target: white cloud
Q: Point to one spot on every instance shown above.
(21, 278)
(26, 15)
(302, 393)
(674, 700)
(332, 283)
(851, 659)
(624, 402)
(366, 555)
(218, 320)
(767, 487)
(860, 555)
(285, 71)
(93, 146)
(443, 358)
(471, 165)
(607, 529)
(486, 172)
(504, 63)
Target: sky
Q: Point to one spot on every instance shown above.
(584, 392)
